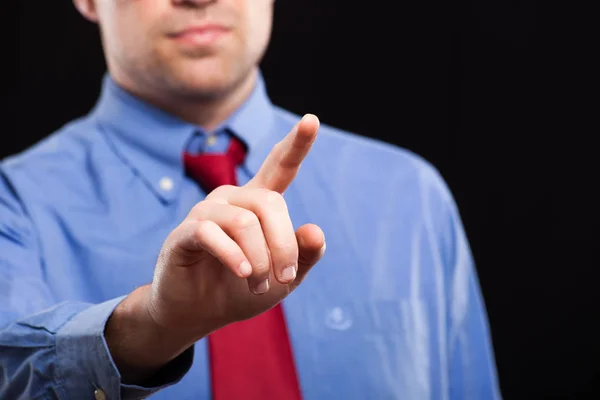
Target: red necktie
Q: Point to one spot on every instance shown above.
(251, 359)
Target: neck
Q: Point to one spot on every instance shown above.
(205, 110)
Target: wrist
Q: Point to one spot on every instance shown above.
(176, 318)
(139, 345)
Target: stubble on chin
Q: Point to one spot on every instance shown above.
(196, 79)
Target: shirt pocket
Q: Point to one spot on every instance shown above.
(369, 349)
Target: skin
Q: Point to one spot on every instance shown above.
(236, 254)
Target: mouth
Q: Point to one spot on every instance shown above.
(200, 35)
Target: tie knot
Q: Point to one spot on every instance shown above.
(211, 170)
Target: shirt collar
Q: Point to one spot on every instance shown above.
(152, 141)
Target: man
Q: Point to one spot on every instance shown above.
(124, 275)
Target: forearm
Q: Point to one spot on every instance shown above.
(140, 347)
(61, 352)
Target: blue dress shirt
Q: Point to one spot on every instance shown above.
(393, 310)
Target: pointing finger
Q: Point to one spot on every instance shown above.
(283, 162)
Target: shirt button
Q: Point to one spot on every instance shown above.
(211, 140)
(166, 184)
(99, 394)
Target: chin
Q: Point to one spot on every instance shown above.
(204, 79)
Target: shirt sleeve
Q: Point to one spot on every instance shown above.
(471, 362)
(49, 349)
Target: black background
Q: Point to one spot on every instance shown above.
(505, 112)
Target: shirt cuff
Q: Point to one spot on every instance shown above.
(84, 363)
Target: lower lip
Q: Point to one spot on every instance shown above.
(203, 37)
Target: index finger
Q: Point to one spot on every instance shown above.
(283, 162)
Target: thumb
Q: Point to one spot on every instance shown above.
(311, 247)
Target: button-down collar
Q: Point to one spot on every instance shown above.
(152, 141)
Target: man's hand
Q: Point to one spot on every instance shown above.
(234, 256)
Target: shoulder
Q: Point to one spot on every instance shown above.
(65, 141)
(43, 166)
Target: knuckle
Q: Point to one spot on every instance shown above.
(261, 267)
(198, 211)
(244, 220)
(230, 257)
(203, 228)
(220, 192)
(204, 209)
(271, 199)
(277, 147)
(287, 249)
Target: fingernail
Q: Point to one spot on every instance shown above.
(289, 273)
(262, 287)
(245, 268)
(323, 248)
